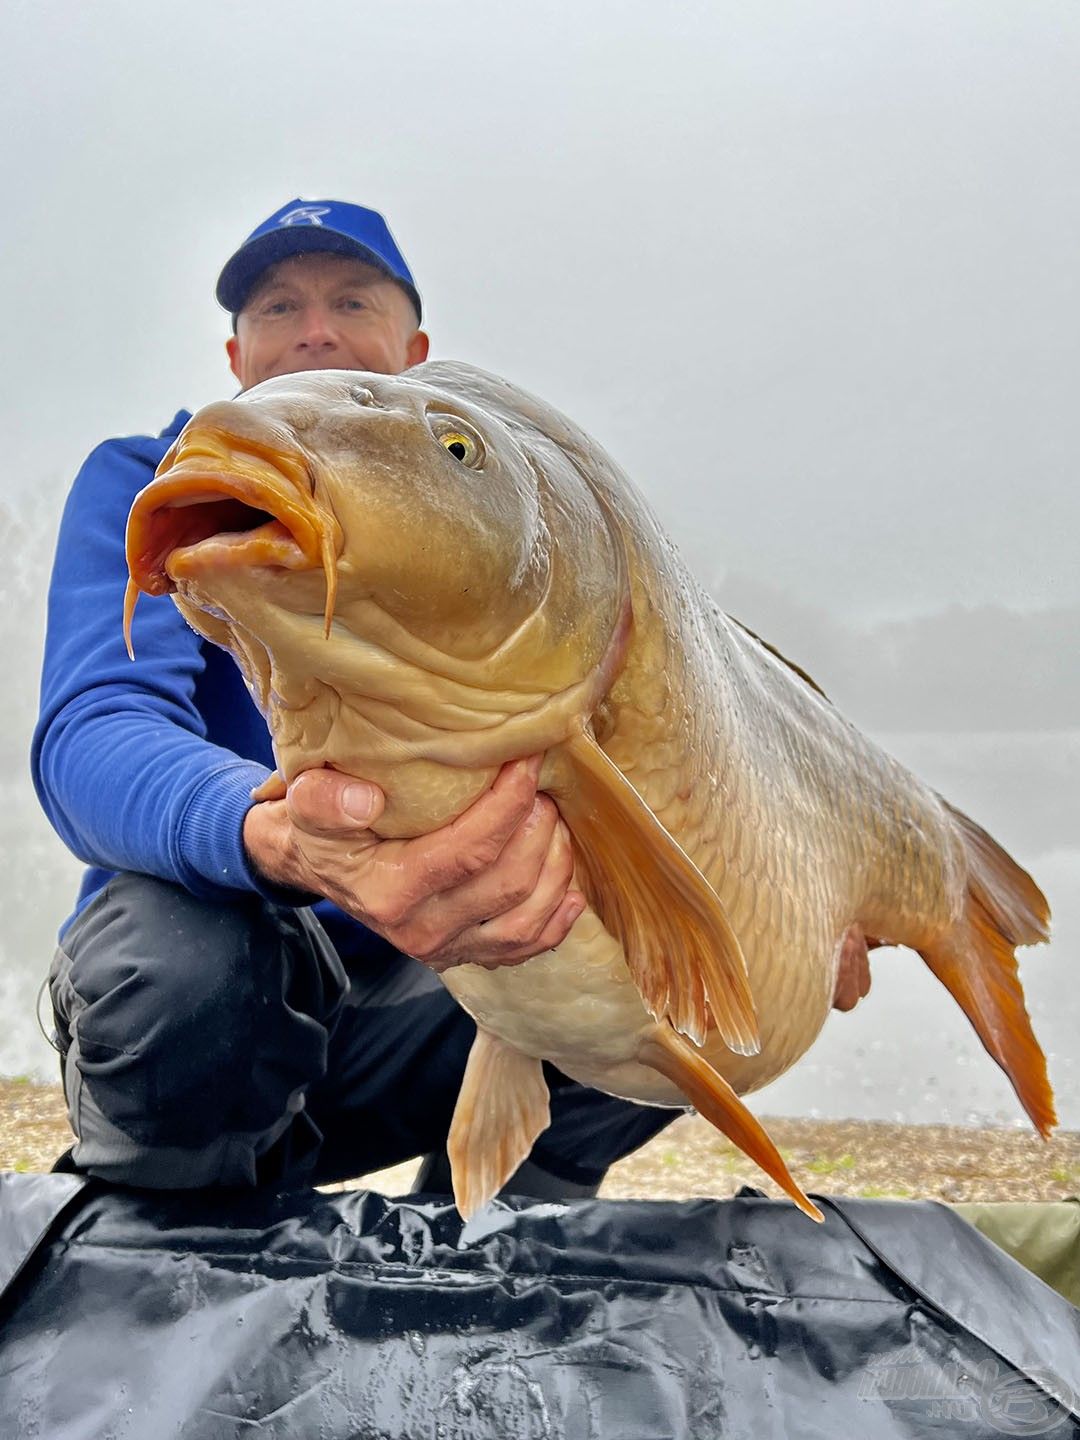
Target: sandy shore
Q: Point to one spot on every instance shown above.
(847, 1157)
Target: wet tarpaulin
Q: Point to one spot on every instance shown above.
(350, 1317)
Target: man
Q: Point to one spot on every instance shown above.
(214, 1030)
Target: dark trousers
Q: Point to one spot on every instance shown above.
(208, 1044)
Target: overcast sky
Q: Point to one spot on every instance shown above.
(808, 269)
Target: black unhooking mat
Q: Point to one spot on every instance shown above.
(137, 1316)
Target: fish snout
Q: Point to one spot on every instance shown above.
(236, 496)
(235, 492)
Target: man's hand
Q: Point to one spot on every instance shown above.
(853, 970)
(490, 888)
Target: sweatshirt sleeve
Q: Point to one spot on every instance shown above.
(120, 758)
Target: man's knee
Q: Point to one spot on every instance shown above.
(189, 1020)
(590, 1131)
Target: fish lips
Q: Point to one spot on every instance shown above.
(196, 518)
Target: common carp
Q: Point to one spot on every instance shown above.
(426, 575)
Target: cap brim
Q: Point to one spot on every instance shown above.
(253, 258)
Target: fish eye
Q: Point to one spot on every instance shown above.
(460, 446)
(463, 444)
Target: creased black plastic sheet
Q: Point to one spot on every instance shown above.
(337, 1317)
(31, 1206)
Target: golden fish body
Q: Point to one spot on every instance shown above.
(800, 824)
(449, 574)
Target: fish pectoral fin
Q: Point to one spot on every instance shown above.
(272, 788)
(712, 1097)
(502, 1107)
(976, 962)
(682, 952)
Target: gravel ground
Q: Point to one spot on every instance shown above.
(846, 1157)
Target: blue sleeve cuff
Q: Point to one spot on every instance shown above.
(212, 857)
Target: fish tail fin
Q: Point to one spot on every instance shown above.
(976, 962)
(502, 1107)
(667, 1052)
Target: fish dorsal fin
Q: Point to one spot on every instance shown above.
(501, 1109)
(775, 653)
(678, 942)
(716, 1101)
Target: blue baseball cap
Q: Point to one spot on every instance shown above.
(302, 226)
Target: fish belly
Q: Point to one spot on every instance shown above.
(577, 1007)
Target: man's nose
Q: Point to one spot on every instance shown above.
(317, 328)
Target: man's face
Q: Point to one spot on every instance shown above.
(324, 312)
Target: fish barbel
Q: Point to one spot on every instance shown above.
(426, 575)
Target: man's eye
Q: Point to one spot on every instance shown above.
(277, 307)
(353, 304)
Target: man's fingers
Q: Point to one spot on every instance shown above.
(437, 920)
(517, 871)
(490, 886)
(853, 971)
(473, 842)
(329, 805)
(525, 922)
(553, 934)
(475, 947)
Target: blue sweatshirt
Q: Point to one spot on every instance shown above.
(146, 765)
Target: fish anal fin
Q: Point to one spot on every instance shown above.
(712, 1097)
(682, 952)
(976, 962)
(502, 1107)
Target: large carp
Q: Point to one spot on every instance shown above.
(426, 575)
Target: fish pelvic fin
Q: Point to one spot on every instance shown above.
(502, 1107)
(976, 962)
(711, 1095)
(682, 953)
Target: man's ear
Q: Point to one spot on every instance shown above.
(416, 351)
(232, 349)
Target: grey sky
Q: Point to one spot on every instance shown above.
(808, 269)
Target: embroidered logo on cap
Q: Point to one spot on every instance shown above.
(305, 215)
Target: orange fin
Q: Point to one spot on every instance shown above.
(976, 962)
(713, 1097)
(328, 557)
(131, 598)
(272, 788)
(501, 1109)
(682, 952)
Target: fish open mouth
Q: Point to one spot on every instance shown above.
(212, 507)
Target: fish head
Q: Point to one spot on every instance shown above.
(391, 545)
